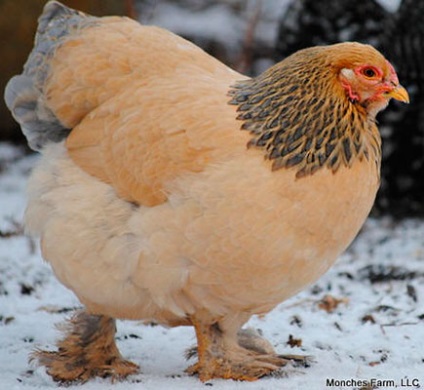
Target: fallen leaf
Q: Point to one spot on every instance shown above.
(368, 318)
(330, 303)
(412, 292)
(294, 342)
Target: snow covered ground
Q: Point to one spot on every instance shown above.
(376, 330)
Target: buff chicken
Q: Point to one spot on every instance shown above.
(174, 189)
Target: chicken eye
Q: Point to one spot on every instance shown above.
(369, 72)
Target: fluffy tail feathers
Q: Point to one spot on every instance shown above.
(38, 123)
(24, 93)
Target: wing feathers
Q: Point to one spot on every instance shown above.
(145, 109)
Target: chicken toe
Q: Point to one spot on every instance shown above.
(247, 356)
(252, 339)
(88, 350)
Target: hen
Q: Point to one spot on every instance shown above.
(172, 188)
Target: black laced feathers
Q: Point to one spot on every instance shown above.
(296, 116)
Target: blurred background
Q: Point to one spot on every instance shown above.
(250, 36)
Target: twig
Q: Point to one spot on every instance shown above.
(17, 229)
(11, 233)
(300, 303)
(245, 60)
(401, 324)
(131, 9)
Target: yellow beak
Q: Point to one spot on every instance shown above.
(399, 93)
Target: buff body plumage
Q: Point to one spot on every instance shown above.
(160, 205)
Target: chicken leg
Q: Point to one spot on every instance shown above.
(232, 354)
(88, 350)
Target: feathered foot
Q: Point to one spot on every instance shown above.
(249, 358)
(252, 339)
(88, 350)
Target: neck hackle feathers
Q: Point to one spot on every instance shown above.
(299, 114)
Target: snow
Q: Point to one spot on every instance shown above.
(390, 5)
(215, 22)
(225, 21)
(389, 346)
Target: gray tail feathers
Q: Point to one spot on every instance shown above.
(38, 123)
(24, 93)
